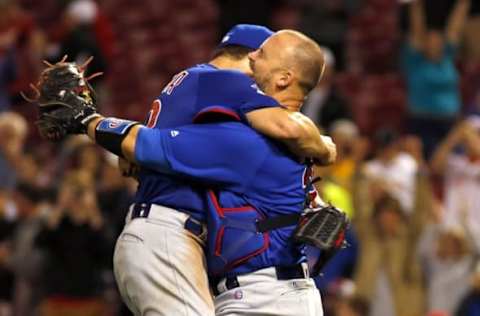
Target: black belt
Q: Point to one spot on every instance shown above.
(142, 210)
(283, 273)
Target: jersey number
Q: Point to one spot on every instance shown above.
(175, 82)
(154, 113)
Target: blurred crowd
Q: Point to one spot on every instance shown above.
(400, 97)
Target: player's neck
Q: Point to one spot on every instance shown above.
(228, 63)
(218, 62)
(290, 101)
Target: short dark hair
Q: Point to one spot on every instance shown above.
(310, 67)
(309, 79)
(386, 136)
(236, 52)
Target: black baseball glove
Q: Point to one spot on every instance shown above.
(65, 100)
(323, 228)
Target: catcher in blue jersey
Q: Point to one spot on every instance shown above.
(180, 288)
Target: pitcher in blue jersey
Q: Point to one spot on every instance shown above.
(165, 273)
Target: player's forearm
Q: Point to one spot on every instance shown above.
(91, 127)
(131, 141)
(128, 143)
(295, 130)
(310, 143)
(310, 147)
(275, 123)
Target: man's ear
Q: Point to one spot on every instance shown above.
(285, 79)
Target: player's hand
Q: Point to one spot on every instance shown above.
(331, 152)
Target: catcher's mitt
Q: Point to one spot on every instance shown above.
(323, 228)
(65, 100)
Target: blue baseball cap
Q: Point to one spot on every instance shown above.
(248, 35)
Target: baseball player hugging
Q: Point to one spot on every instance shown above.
(235, 171)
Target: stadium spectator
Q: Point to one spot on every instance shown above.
(21, 48)
(33, 196)
(387, 273)
(456, 160)
(27, 260)
(352, 149)
(448, 259)
(76, 250)
(78, 39)
(104, 34)
(431, 76)
(13, 130)
(393, 169)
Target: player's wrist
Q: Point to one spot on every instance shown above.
(92, 124)
(88, 118)
(110, 133)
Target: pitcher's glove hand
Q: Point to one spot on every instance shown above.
(65, 100)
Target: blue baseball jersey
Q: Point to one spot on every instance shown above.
(246, 169)
(199, 90)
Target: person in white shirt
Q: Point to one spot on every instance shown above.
(457, 159)
(393, 169)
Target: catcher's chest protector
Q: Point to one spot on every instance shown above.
(233, 237)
